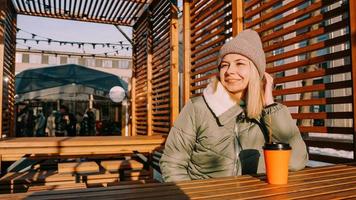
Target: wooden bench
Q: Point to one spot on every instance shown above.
(116, 165)
(113, 171)
(101, 179)
(134, 175)
(36, 188)
(78, 168)
(20, 182)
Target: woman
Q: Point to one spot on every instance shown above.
(222, 132)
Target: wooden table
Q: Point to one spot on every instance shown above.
(11, 149)
(332, 182)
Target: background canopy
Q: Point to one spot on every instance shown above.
(55, 76)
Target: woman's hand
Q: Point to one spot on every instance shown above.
(268, 89)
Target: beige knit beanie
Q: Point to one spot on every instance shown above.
(247, 43)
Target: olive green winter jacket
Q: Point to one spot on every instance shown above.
(212, 137)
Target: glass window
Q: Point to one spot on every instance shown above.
(90, 62)
(73, 60)
(25, 58)
(107, 63)
(124, 64)
(81, 61)
(115, 64)
(44, 59)
(98, 63)
(63, 60)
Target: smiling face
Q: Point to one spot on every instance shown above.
(235, 74)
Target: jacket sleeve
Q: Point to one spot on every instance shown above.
(284, 129)
(179, 146)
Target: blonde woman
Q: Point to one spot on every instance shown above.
(222, 132)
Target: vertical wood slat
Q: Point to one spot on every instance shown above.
(352, 14)
(149, 79)
(174, 82)
(237, 16)
(187, 52)
(7, 64)
(133, 104)
(2, 55)
(139, 79)
(164, 65)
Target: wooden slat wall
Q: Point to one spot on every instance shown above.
(352, 12)
(156, 68)
(210, 25)
(161, 17)
(139, 84)
(307, 44)
(7, 63)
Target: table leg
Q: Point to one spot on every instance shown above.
(150, 164)
(0, 163)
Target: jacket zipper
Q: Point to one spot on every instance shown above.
(236, 151)
(237, 143)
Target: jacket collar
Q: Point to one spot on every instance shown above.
(220, 103)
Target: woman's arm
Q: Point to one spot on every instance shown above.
(279, 121)
(179, 146)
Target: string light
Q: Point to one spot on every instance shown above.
(37, 39)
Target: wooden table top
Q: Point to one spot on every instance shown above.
(78, 141)
(331, 182)
(97, 145)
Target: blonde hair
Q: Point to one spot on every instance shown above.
(254, 94)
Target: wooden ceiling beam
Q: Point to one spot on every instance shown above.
(112, 13)
(130, 13)
(17, 4)
(70, 10)
(118, 16)
(100, 10)
(80, 12)
(105, 9)
(55, 8)
(117, 22)
(134, 16)
(92, 12)
(124, 15)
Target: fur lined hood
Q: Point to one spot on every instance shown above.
(217, 98)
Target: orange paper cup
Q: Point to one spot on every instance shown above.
(276, 160)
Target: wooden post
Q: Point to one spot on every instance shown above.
(2, 56)
(187, 51)
(149, 77)
(174, 83)
(237, 16)
(133, 102)
(1, 67)
(352, 17)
